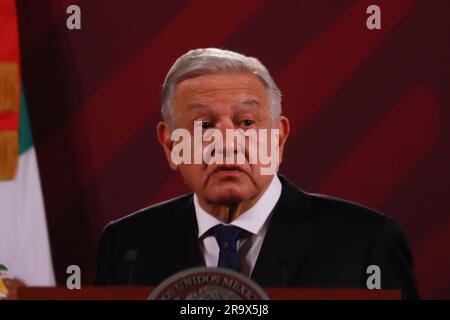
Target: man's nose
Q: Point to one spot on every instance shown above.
(229, 146)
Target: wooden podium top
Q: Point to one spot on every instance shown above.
(141, 293)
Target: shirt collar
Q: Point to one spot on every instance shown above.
(251, 220)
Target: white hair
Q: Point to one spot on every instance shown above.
(199, 62)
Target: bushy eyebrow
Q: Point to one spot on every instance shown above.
(247, 104)
(197, 106)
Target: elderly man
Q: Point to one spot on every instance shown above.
(239, 216)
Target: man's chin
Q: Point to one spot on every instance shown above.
(227, 196)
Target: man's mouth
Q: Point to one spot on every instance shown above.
(228, 170)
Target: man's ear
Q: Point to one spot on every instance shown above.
(283, 127)
(164, 133)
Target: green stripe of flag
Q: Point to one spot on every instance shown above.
(25, 137)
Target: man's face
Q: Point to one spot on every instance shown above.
(223, 101)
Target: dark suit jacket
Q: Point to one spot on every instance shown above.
(312, 241)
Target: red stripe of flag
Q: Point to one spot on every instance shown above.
(9, 53)
(9, 48)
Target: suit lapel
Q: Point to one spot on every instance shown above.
(288, 238)
(183, 247)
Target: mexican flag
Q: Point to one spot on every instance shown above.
(24, 243)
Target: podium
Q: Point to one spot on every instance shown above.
(141, 293)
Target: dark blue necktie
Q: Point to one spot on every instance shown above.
(227, 237)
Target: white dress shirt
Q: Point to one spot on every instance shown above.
(255, 221)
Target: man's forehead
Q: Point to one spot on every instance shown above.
(238, 88)
(220, 83)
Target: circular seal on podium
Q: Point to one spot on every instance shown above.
(208, 284)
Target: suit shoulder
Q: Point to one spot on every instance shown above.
(352, 223)
(347, 213)
(331, 210)
(155, 214)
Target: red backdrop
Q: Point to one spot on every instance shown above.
(369, 109)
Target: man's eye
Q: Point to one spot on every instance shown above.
(247, 123)
(206, 125)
